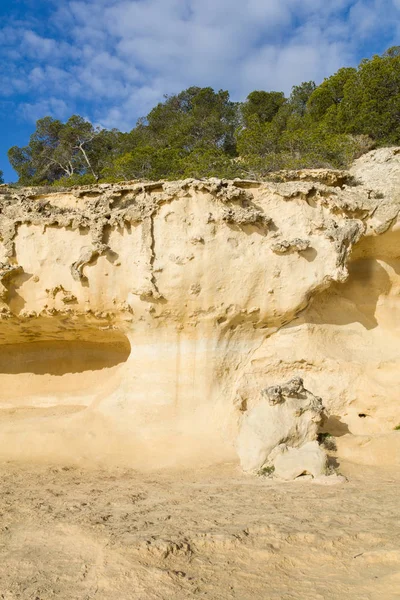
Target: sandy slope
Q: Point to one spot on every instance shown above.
(68, 533)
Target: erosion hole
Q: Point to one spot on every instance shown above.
(59, 357)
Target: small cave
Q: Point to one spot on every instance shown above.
(335, 427)
(60, 368)
(60, 357)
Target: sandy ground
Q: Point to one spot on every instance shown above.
(70, 533)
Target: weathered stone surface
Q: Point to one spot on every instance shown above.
(289, 463)
(379, 449)
(139, 321)
(288, 416)
(296, 245)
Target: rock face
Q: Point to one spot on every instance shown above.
(287, 417)
(140, 321)
(290, 463)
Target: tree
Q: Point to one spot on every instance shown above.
(371, 103)
(209, 162)
(74, 148)
(261, 105)
(38, 161)
(330, 93)
(145, 162)
(199, 132)
(300, 96)
(103, 149)
(258, 138)
(195, 117)
(392, 52)
(307, 147)
(1, 176)
(57, 150)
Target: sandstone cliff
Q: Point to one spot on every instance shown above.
(141, 321)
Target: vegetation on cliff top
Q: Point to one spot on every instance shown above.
(202, 133)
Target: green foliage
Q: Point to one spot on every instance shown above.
(58, 150)
(64, 182)
(1, 176)
(258, 139)
(209, 162)
(371, 104)
(195, 117)
(300, 96)
(397, 428)
(202, 133)
(330, 93)
(168, 163)
(262, 106)
(363, 101)
(301, 144)
(327, 441)
(317, 147)
(144, 162)
(266, 471)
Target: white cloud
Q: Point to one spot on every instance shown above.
(54, 106)
(118, 57)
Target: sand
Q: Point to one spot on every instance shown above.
(77, 534)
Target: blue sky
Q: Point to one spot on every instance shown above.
(112, 60)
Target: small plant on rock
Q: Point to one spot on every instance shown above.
(266, 471)
(327, 441)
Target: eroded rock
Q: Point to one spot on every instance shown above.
(290, 462)
(200, 291)
(288, 416)
(296, 245)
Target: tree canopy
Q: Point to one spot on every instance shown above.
(63, 150)
(261, 106)
(200, 132)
